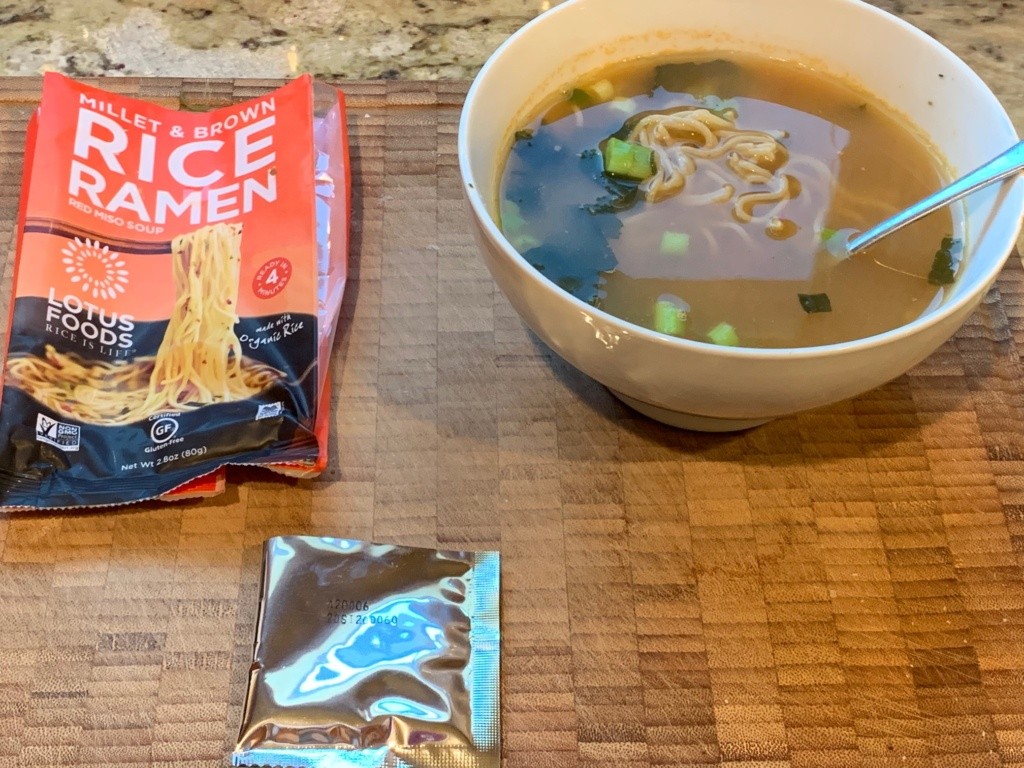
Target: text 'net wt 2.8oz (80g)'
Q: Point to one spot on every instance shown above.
(177, 285)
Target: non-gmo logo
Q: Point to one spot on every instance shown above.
(67, 437)
(163, 430)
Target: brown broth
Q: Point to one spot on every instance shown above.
(865, 165)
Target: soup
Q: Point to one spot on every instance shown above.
(697, 198)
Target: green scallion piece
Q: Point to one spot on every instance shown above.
(631, 161)
(523, 242)
(516, 228)
(724, 335)
(512, 223)
(600, 90)
(815, 302)
(675, 243)
(827, 234)
(669, 318)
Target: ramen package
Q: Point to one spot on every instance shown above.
(177, 285)
(373, 656)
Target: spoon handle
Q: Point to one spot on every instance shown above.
(1001, 167)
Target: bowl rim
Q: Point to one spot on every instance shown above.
(968, 298)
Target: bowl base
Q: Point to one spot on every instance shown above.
(691, 421)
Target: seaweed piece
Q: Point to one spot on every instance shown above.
(580, 98)
(576, 258)
(621, 197)
(943, 271)
(815, 302)
(539, 151)
(609, 226)
(569, 284)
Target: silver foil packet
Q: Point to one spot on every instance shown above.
(373, 656)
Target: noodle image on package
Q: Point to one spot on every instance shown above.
(177, 286)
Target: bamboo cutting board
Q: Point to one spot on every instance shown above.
(840, 588)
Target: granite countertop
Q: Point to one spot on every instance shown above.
(414, 39)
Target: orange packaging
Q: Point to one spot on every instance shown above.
(177, 285)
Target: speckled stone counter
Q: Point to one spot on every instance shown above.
(412, 39)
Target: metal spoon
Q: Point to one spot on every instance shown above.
(843, 243)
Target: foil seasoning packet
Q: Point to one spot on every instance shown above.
(373, 656)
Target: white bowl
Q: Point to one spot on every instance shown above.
(697, 385)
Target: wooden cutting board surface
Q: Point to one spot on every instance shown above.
(840, 588)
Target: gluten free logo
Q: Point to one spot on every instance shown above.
(163, 429)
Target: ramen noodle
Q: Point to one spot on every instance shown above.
(176, 293)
